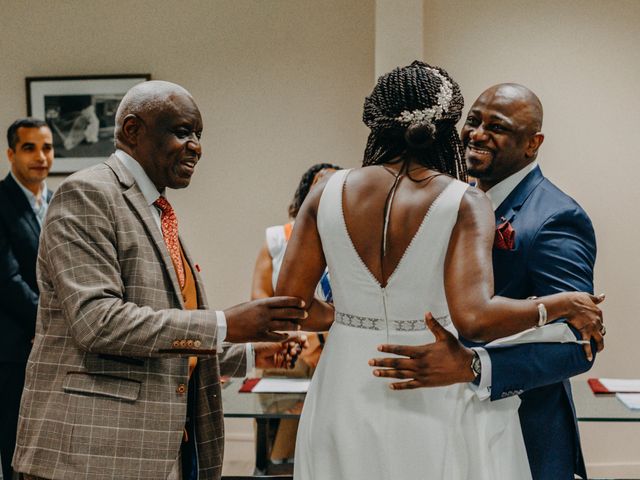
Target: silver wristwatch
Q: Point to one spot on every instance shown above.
(476, 365)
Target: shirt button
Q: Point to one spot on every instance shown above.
(183, 343)
(176, 343)
(181, 388)
(197, 343)
(190, 343)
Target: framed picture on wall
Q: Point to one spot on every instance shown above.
(80, 111)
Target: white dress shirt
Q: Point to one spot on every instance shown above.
(500, 191)
(497, 194)
(39, 204)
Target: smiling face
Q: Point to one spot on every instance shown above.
(500, 135)
(32, 157)
(168, 141)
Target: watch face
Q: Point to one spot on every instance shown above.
(476, 365)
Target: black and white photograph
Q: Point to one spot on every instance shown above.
(81, 114)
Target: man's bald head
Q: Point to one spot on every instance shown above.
(146, 100)
(517, 94)
(502, 134)
(159, 125)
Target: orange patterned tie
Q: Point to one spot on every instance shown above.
(169, 223)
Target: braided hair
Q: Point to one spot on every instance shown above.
(414, 110)
(305, 185)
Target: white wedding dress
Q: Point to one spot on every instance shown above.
(353, 426)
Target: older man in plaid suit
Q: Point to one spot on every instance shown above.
(113, 386)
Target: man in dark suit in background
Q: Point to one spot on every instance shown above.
(24, 198)
(544, 244)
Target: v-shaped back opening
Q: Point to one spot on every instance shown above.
(384, 282)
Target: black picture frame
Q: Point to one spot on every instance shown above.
(80, 111)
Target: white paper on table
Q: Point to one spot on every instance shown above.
(621, 385)
(552, 333)
(630, 400)
(282, 385)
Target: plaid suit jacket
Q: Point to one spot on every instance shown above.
(104, 395)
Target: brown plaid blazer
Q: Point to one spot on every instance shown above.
(104, 395)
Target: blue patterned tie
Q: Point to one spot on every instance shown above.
(40, 210)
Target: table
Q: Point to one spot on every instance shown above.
(599, 408)
(263, 407)
(589, 407)
(266, 406)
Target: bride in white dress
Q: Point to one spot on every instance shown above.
(403, 236)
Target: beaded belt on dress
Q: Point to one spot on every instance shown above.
(370, 323)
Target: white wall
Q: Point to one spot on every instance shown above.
(398, 33)
(581, 58)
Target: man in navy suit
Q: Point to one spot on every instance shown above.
(554, 250)
(24, 198)
(545, 244)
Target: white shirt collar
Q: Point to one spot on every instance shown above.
(148, 189)
(500, 191)
(33, 201)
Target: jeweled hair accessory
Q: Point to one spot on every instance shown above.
(429, 116)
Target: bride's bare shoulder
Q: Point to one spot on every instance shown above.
(475, 207)
(366, 173)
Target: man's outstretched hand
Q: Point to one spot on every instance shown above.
(444, 362)
(280, 354)
(259, 320)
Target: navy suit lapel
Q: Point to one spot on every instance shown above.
(511, 205)
(23, 207)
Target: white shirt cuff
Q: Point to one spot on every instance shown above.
(221, 320)
(251, 357)
(483, 391)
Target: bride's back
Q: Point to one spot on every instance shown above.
(370, 193)
(385, 235)
(407, 280)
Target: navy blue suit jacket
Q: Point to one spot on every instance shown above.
(19, 234)
(555, 251)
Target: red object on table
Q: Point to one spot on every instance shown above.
(597, 387)
(248, 384)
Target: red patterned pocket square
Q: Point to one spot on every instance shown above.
(505, 238)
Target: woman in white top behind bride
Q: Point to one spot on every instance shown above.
(401, 236)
